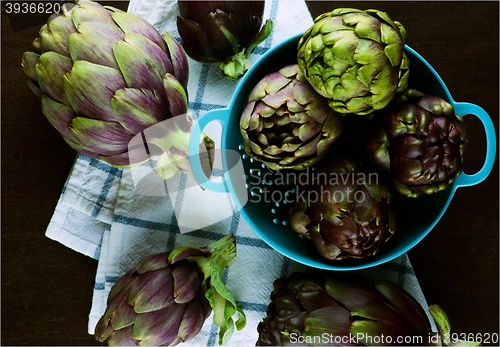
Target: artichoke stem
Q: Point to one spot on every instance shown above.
(236, 67)
(175, 156)
(239, 63)
(219, 296)
(223, 254)
(227, 244)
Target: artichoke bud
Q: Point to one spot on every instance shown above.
(419, 141)
(355, 59)
(223, 32)
(104, 76)
(167, 297)
(345, 212)
(334, 309)
(286, 124)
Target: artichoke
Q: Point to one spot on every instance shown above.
(286, 124)
(348, 310)
(345, 212)
(224, 32)
(355, 59)
(103, 76)
(167, 297)
(419, 141)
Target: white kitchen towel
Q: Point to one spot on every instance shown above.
(85, 207)
(102, 214)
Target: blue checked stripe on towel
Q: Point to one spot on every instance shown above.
(100, 214)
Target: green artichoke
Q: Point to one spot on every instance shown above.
(224, 32)
(355, 59)
(286, 124)
(345, 212)
(348, 310)
(167, 297)
(419, 141)
(103, 76)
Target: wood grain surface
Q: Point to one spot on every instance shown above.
(47, 288)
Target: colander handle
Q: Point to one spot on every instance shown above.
(465, 108)
(221, 116)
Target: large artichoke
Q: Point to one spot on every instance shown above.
(347, 310)
(419, 141)
(355, 59)
(103, 76)
(167, 297)
(345, 212)
(286, 124)
(224, 32)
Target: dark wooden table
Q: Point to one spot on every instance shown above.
(47, 288)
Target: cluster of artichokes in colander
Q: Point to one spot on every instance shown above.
(348, 100)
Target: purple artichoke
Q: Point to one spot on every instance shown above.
(286, 124)
(334, 309)
(222, 32)
(419, 141)
(167, 297)
(346, 212)
(103, 76)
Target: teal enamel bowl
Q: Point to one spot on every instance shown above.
(416, 217)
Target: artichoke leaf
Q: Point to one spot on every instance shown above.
(144, 291)
(130, 23)
(263, 34)
(81, 87)
(28, 63)
(142, 63)
(186, 284)
(193, 319)
(331, 24)
(176, 95)
(246, 116)
(331, 320)
(51, 66)
(160, 327)
(93, 42)
(195, 41)
(221, 32)
(88, 12)
(310, 130)
(365, 26)
(59, 115)
(137, 109)
(152, 263)
(308, 149)
(106, 137)
(272, 84)
(405, 304)
(382, 312)
(352, 293)
(179, 60)
(54, 36)
(120, 316)
(369, 332)
(122, 337)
